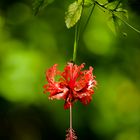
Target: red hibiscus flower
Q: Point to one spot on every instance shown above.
(73, 84)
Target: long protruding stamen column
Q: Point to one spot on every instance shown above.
(70, 117)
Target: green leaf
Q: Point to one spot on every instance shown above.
(112, 5)
(113, 23)
(122, 13)
(136, 30)
(88, 3)
(73, 14)
(40, 5)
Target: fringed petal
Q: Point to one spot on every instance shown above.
(74, 84)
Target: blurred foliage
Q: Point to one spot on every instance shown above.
(30, 44)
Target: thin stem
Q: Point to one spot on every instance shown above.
(96, 2)
(112, 11)
(75, 43)
(76, 38)
(77, 31)
(70, 117)
(136, 30)
(117, 4)
(89, 17)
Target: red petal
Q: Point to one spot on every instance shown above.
(67, 105)
(73, 84)
(57, 89)
(71, 73)
(85, 80)
(51, 73)
(84, 86)
(86, 100)
(59, 95)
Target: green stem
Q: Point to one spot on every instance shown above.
(75, 43)
(89, 17)
(117, 5)
(112, 11)
(136, 30)
(77, 32)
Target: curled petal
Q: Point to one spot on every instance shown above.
(86, 80)
(67, 104)
(85, 100)
(71, 73)
(74, 84)
(52, 85)
(51, 73)
(59, 95)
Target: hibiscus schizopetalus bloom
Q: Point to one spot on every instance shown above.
(73, 84)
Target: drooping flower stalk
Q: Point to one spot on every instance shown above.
(74, 84)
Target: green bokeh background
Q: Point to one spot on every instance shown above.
(31, 44)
